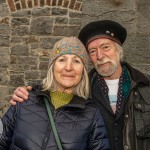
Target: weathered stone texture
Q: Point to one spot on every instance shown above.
(32, 74)
(4, 61)
(28, 62)
(20, 50)
(4, 40)
(20, 31)
(4, 10)
(75, 14)
(3, 77)
(75, 21)
(41, 26)
(33, 46)
(5, 20)
(15, 39)
(22, 13)
(41, 11)
(43, 73)
(31, 39)
(4, 29)
(43, 65)
(47, 43)
(20, 21)
(143, 18)
(4, 51)
(4, 91)
(136, 52)
(66, 30)
(61, 20)
(33, 82)
(59, 11)
(16, 80)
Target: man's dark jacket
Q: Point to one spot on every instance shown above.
(131, 129)
(79, 124)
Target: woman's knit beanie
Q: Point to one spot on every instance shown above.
(69, 45)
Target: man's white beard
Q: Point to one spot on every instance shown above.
(108, 70)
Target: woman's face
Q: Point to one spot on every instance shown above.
(68, 70)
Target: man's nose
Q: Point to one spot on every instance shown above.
(100, 54)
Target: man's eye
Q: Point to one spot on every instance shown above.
(106, 47)
(92, 51)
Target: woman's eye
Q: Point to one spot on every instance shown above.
(61, 60)
(76, 61)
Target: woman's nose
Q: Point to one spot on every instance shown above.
(69, 66)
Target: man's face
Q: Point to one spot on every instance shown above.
(105, 57)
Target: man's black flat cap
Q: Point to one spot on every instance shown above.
(103, 29)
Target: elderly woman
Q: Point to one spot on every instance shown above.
(57, 115)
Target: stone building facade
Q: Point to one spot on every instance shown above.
(29, 28)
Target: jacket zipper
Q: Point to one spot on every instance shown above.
(46, 139)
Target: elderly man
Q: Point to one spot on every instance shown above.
(121, 92)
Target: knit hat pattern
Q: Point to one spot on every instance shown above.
(69, 45)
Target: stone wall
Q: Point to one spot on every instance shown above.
(29, 28)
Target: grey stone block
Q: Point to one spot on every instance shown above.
(41, 26)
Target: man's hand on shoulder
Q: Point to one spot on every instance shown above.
(20, 94)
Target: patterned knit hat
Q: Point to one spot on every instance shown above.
(69, 45)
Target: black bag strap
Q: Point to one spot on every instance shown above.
(53, 124)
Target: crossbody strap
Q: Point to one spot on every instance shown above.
(53, 124)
